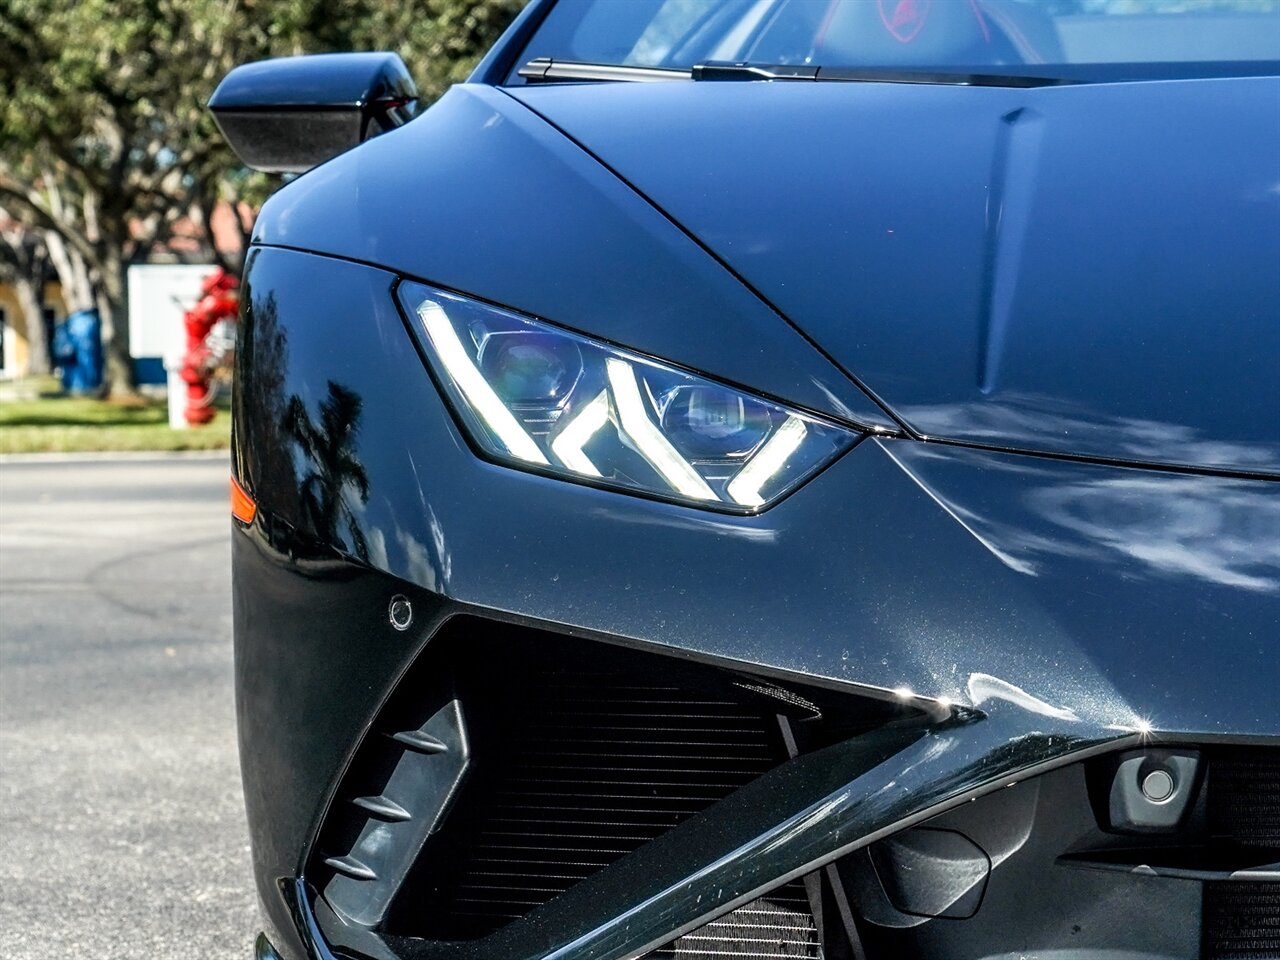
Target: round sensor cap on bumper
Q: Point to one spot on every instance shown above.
(1151, 790)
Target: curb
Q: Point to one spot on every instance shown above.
(117, 456)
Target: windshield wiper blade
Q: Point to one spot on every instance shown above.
(720, 71)
(727, 70)
(547, 70)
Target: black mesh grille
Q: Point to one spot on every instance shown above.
(1244, 796)
(779, 926)
(1241, 921)
(580, 759)
(579, 753)
(595, 768)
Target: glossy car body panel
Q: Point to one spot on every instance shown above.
(563, 239)
(1029, 591)
(1089, 270)
(1026, 542)
(1036, 610)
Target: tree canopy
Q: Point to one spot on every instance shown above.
(104, 139)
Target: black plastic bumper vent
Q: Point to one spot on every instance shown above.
(778, 926)
(1241, 921)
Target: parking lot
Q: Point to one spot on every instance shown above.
(121, 826)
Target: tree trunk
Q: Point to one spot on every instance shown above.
(73, 273)
(245, 230)
(114, 308)
(30, 301)
(25, 264)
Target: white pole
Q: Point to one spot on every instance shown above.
(177, 390)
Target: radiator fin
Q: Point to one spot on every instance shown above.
(1241, 921)
(1244, 796)
(582, 764)
(778, 926)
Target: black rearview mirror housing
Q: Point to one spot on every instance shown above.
(290, 114)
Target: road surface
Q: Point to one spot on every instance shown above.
(121, 827)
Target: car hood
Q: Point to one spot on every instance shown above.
(1089, 270)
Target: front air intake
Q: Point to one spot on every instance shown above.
(777, 926)
(581, 759)
(1241, 921)
(511, 764)
(1244, 796)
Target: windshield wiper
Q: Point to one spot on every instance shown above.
(548, 70)
(716, 70)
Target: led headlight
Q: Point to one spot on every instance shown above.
(537, 397)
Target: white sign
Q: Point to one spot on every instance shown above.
(159, 294)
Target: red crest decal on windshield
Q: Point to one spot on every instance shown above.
(907, 18)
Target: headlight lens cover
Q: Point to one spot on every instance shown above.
(537, 397)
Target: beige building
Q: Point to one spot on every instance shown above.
(15, 325)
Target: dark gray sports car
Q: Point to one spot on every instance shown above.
(768, 479)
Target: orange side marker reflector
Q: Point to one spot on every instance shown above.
(242, 506)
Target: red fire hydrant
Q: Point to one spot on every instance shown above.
(219, 302)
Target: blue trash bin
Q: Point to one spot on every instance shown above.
(63, 350)
(77, 352)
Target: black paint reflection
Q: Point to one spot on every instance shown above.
(329, 447)
(1039, 421)
(1142, 525)
(302, 466)
(262, 363)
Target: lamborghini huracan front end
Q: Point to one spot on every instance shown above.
(770, 519)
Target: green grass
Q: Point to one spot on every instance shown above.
(61, 424)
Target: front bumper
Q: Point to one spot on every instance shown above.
(1017, 616)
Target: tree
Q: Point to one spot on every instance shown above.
(106, 140)
(24, 263)
(440, 40)
(102, 98)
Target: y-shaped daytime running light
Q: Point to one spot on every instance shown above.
(648, 439)
(537, 397)
(567, 446)
(760, 469)
(474, 388)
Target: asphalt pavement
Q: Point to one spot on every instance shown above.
(122, 831)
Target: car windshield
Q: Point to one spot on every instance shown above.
(1084, 39)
